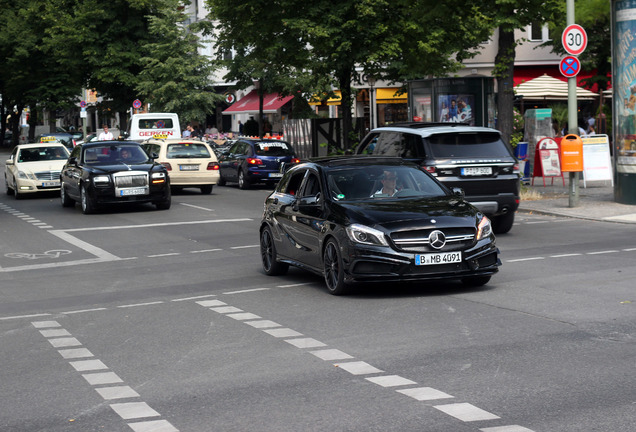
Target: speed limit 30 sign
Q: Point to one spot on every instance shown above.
(574, 39)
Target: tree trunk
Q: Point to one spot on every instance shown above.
(345, 93)
(260, 108)
(504, 73)
(52, 121)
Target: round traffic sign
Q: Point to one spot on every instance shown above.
(570, 66)
(230, 98)
(574, 39)
(83, 104)
(136, 104)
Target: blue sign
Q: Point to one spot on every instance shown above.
(570, 66)
(136, 104)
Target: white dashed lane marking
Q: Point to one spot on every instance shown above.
(25, 217)
(346, 362)
(126, 410)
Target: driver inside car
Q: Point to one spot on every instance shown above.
(389, 188)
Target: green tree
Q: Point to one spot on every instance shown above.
(508, 16)
(594, 17)
(174, 76)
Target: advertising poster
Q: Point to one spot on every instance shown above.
(625, 85)
(456, 108)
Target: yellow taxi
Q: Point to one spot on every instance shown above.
(190, 162)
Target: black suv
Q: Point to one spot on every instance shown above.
(472, 158)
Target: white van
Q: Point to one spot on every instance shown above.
(144, 126)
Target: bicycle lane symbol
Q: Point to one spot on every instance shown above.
(33, 256)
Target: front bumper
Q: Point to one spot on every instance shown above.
(32, 186)
(364, 264)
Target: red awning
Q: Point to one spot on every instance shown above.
(249, 103)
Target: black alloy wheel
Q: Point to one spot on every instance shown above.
(333, 269)
(271, 267)
(88, 206)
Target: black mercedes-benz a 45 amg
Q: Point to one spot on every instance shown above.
(371, 219)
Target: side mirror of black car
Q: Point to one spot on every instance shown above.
(458, 191)
(154, 156)
(310, 201)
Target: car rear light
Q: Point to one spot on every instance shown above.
(213, 166)
(294, 160)
(515, 169)
(254, 161)
(167, 165)
(430, 169)
(74, 143)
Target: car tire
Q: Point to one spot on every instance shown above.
(243, 182)
(66, 200)
(271, 266)
(476, 281)
(206, 190)
(333, 269)
(502, 224)
(17, 194)
(165, 204)
(88, 206)
(9, 188)
(221, 181)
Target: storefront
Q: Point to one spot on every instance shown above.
(453, 100)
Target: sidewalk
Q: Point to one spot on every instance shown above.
(596, 201)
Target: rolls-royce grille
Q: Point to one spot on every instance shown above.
(48, 175)
(131, 180)
(418, 240)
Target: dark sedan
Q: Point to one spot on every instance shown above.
(250, 161)
(364, 219)
(111, 172)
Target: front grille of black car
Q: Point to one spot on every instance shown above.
(417, 240)
(124, 180)
(48, 175)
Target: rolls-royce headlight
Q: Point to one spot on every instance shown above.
(158, 175)
(101, 179)
(484, 229)
(365, 235)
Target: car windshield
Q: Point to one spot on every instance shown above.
(38, 154)
(273, 148)
(485, 145)
(101, 155)
(378, 182)
(187, 150)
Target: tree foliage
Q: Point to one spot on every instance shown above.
(594, 17)
(51, 49)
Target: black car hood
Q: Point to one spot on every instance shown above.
(120, 166)
(391, 214)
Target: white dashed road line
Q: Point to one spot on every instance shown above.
(462, 411)
(94, 375)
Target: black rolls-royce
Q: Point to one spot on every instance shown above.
(113, 172)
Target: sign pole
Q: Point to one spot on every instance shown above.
(85, 119)
(573, 127)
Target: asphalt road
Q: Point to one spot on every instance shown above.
(145, 320)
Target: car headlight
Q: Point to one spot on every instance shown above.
(365, 235)
(484, 228)
(101, 179)
(158, 175)
(26, 175)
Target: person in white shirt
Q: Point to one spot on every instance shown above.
(105, 135)
(389, 180)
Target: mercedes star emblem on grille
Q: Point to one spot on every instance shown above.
(437, 239)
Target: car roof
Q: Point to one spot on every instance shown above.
(110, 143)
(258, 140)
(42, 144)
(425, 129)
(359, 160)
(174, 141)
(67, 134)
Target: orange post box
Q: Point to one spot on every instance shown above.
(571, 153)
